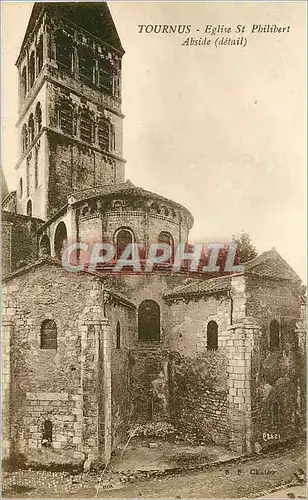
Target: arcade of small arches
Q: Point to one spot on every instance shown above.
(160, 209)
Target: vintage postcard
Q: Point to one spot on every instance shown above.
(153, 249)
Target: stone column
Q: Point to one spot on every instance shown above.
(7, 331)
(240, 344)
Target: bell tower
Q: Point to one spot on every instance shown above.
(70, 119)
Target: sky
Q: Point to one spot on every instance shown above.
(220, 130)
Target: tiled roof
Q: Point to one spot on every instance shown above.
(201, 287)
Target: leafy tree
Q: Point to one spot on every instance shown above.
(245, 250)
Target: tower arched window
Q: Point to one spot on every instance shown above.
(86, 65)
(38, 116)
(105, 74)
(64, 51)
(39, 56)
(118, 335)
(23, 83)
(166, 238)
(31, 69)
(60, 240)
(24, 138)
(48, 334)
(31, 128)
(123, 238)
(21, 189)
(66, 118)
(85, 126)
(47, 433)
(149, 321)
(29, 208)
(274, 335)
(212, 336)
(104, 134)
(28, 176)
(44, 246)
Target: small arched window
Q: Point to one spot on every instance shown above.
(275, 414)
(118, 333)
(212, 336)
(24, 138)
(39, 56)
(29, 208)
(86, 65)
(48, 334)
(23, 82)
(38, 116)
(104, 134)
(44, 246)
(149, 321)
(166, 238)
(31, 69)
(274, 335)
(85, 127)
(66, 118)
(60, 239)
(64, 51)
(21, 189)
(123, 238)
(47, 433)
(31, 128)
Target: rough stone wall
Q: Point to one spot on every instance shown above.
(275, 373)
(6, 339)
(62, 384)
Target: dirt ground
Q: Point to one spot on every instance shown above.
(253, 478)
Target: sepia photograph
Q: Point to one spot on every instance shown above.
(153, 249)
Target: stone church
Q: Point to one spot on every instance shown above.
(87, 355)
